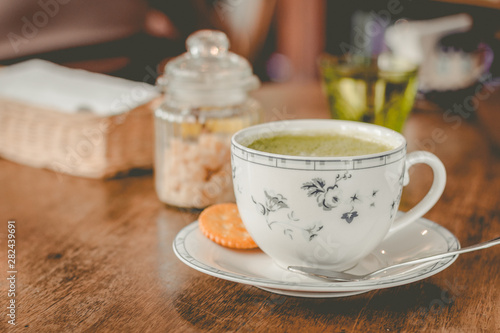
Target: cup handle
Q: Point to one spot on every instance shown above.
(431, 197)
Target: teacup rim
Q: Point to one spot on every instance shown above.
(389, 131)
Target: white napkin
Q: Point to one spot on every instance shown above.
(42, 83)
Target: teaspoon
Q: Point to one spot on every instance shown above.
(333, 276)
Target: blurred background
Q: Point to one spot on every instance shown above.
(281, 38)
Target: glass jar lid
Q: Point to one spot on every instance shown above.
(208, 65)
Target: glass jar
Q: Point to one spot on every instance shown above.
(206, 102)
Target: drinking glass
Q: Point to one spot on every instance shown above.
(379, 90)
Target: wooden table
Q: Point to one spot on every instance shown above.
(94, 256)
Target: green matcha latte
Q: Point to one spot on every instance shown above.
(319, 145)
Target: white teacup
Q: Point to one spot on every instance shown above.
(327, 212)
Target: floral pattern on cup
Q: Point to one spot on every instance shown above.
(349, 216)
(234, 171)
(331, 197)
(397, 200)
(276, 211)
(327, 197)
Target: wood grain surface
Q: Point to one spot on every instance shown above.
(96, 256)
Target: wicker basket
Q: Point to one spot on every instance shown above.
(81, 144)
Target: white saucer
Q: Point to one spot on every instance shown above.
(253, 267)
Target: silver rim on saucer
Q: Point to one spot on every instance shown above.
(196, 261)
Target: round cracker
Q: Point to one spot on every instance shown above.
(222, 224)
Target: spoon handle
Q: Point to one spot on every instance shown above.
(483, 245)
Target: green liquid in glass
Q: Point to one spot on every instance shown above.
(364, 92)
